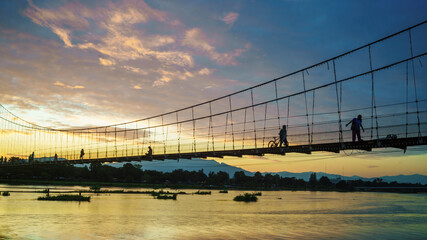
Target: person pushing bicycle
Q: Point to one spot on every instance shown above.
(283, 136)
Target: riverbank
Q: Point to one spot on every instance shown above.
(154, 186)
(133, 176)
(92, 184)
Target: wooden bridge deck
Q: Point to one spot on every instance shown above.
(401, 143)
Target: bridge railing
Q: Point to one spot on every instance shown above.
(384, 81)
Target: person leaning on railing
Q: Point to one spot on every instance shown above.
(356, 124)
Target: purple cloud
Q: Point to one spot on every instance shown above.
(230, 18)
(196, 39)
(373, 166)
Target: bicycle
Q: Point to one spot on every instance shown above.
(274, 143)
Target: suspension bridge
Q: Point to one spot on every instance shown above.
(384, 81)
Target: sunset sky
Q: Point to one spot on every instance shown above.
(92, 63)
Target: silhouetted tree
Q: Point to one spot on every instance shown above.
(324, 181)
(258, 178)
(218, 179)
(239, 178)
(313, 180)
(344, 185)
(130, 173)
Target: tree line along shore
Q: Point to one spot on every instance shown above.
(133, 176)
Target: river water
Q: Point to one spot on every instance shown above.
(276, 215)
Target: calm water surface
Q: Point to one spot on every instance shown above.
(276, 215)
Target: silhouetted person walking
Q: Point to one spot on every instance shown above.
(283, 134)
(55, 158)
(150, 151)
(82, 153)
(31, 157)
(356, 124)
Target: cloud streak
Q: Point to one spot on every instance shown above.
(55, 19)
(196, 39)
(373, 166)
(230, 18)
(60, 84)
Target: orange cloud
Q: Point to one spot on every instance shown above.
(60, 84)
(162, 81)
(205, 71)
(121, 42)
(135, 70)
(106, 62)
(166, 76)
(63, 35)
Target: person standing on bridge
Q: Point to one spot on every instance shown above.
(283, 134)
(82, 153)
(356, 124)
(150, 151)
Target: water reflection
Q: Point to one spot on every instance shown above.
(276, 215)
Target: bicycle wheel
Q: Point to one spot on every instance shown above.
(272, 144)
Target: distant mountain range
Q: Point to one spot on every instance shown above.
(189, 165)
(415, 178)
(214, 166)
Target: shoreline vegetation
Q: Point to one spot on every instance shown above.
(247, 197)
(166, 196)
(97, 176)
(203, 192)
(77, 198)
